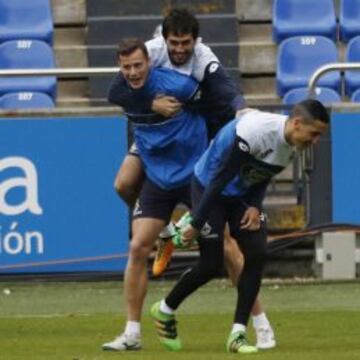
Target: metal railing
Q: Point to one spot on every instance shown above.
(328, 68)
(61, 72)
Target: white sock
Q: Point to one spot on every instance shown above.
(238, 327)
(132, 327)
(165, 308)
(260, 320)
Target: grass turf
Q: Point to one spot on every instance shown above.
(72, 320)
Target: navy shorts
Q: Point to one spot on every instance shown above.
(157, 203)
(226, 210)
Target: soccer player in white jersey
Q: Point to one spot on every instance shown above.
(229, 184)
(181, 49)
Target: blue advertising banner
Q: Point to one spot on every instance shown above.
(58, 209)
(345, 132)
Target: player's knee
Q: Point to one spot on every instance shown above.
(126, 191)
(138, 250)
(256, 255)
(211, 269)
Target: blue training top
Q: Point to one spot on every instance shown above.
(168, 147)
(241, 160)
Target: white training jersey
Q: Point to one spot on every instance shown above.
(264, 134)
(196, 65)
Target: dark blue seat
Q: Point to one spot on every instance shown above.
(21, 19)
(325, 95)
(27, 54)
(26, 100)
(303, 17)
(352, 78)
(355, 97)
(299, 57)
(349, 18)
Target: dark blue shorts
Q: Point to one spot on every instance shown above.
(157, 203)
(226, 210)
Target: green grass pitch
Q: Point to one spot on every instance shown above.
(72, 320)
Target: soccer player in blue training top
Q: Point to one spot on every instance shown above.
(169, 148)
(181, 49)
(229, 183)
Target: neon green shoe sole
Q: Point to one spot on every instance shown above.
(166, 328)
(237, 344)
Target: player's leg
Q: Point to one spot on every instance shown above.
(209, 265)
(234, 262)
(253, 246)
(130, 177)
(151, 213)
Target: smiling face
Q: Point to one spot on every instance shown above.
(180, 47)
(135, 68)
(304, 133)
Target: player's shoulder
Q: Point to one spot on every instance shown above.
(172, 80)
(155, 43)
(157, 50)
(259, 128)
(203, 57)
(258, 121)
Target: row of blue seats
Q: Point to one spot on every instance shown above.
(325, 95)
(27, 54)
(298, 57)
(309, 17)
(20, 19)
(26, 100)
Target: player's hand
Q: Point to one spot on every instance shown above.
(167, 106)
(188, 234)
(251, 219)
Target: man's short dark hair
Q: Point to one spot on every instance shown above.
(180, 21)
(129, 45)
(311, 110)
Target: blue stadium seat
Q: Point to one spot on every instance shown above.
(325, 95)
(299, 57)
(20, 19)
(303, 17)
(349, 18)
(352, 78)
(26, 100)
(27, 54)
(355, 97)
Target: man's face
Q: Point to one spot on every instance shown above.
(307, 133)
(180, 48)
(135, 68)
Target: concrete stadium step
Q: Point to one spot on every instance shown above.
(67, 36)
(109, 30)
(249, 10)
(155, 7)
(258, 85)
(69, 12)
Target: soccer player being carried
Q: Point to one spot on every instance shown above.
(168, 148)
(229, 184)
(181, 49)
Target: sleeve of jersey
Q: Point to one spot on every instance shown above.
(222, 86)
(120, 94)
(237, 155)
(257, 194)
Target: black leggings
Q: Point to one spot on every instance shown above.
(210, 264)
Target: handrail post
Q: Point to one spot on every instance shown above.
(325, 69)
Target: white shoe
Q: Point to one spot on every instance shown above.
(265, 338)
(124, 342)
